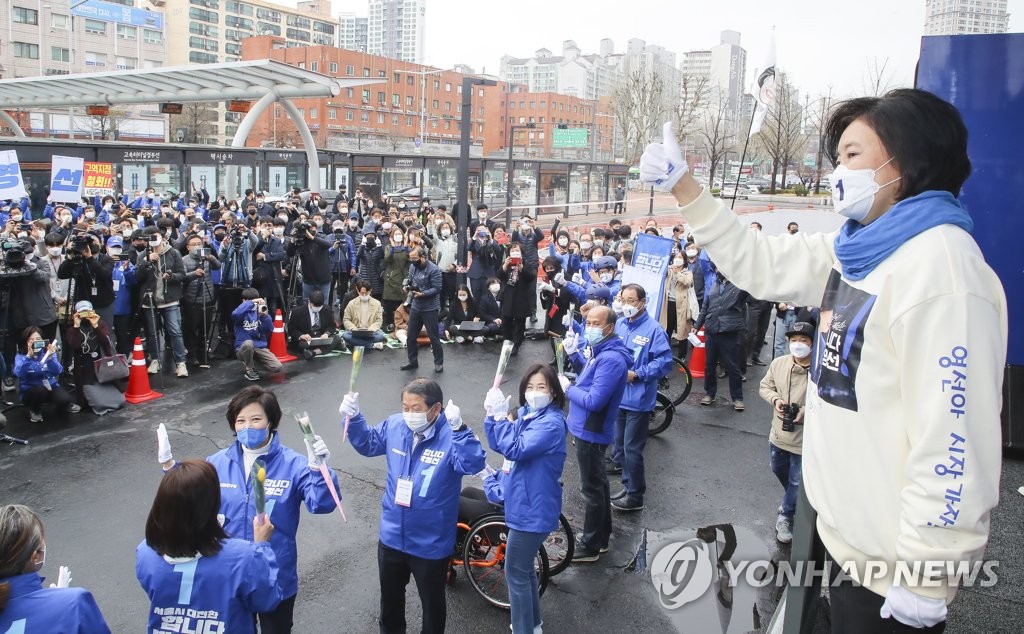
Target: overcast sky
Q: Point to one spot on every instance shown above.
(820, 44)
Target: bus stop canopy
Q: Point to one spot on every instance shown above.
(264, 81)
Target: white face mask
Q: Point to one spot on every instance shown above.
(283, 217)
(114, 251)
(629, 311)
(108, 206)
(53, 251)
(585, 245)
(416, 421)
(398, 238)
(537, 400)
(617, 307)
(90, 214)
(318, 223)
(606, 277)
(279, 231)
(386, 226)
(853, 191)
(445, 233)
(157, 241)
(16, 218)
(563, 242)
(691, 253)
(353, 223)
(316, 309)
(483, 217)
(463, 297)
(495, 288)
(678, 262)
(799, 349)
(364, 298)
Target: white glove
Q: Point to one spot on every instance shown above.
(560, 278)
(544, 286)
(662, 164)
(577, 277)
(317, 453)
(350, 405)
(570, 343)
(454, 415)
(912, 609)
(496, 404)
(163, 445)
(564, 382)
(63, 577)
(567, 319)
(487, 472)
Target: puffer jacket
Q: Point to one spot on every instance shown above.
(594, 400)
(196, 287)
(150, 276)
(428, 280)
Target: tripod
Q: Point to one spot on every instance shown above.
(294, 282)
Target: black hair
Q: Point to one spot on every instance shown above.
(250, 293)
(924, 134)
(255, 394)
(624, 231)
(552, 262)
(361, 283)
(28, 332)
(636, 288)
(428, 389)
(554, 386)
(614, 222)
(316, 297)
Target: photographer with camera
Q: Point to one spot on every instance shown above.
(37, 368)
(125, 307)
(236, 257)
(343, 262)
(268, 257)
(160, 273)
(25, 280)
(198, 300)
(785, 387)
(91, 274)
(423, 286)
(313, 249)
(253, 329)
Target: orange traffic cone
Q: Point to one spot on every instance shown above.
(138, 380)
(278, 345)
(698, 360)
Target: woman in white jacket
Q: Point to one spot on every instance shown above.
(902, 435)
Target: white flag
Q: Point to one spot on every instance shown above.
(67, 179)
(12, 185)
(764, 88)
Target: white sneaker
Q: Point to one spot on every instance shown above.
(478, 339)
(378, 346)
(784, 529)
(181, 371)
(154, 367)
(460, 340)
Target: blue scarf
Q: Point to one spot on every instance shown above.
(860, 248)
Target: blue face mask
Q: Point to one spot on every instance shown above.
(593, 334)
(252, 438)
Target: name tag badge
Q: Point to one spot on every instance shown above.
(95, 291)
(403, 493)
(506, 467)
(117, 285)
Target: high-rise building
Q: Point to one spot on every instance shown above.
(396, 29)
(352, 32)
(955, 17)
(571, 73)
(724, 66)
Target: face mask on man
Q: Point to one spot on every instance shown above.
(630, 311)
(593, 334)
(108, 206)
(563, 242)
(617, 307)
(114, 251)
(416, 421)
(494, 288)
(278, 231)
(387, 226)
(537, 400)
(853, 191)
(53, 251)
(364, 298)
(606, 277)
(90, 215)
(352, 224)
(799, 349)
(691, 253)
(586, 245)
(17, 218)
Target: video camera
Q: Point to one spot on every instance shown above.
(237, 235)
(77, 245)
(300, 229)
(14, 258)
(411, 288)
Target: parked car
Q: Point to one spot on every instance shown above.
(411, 195)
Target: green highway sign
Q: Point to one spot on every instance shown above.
(570, 137)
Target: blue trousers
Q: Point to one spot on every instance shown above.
(788, 468)
(523, 588)
(630, 440)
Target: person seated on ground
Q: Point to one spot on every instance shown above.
(253, 329)
(37, 367)
(314, 322)
(461, 311)
(364, 314)
(489, 307)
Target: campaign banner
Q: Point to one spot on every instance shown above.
(651, 257)
(12, 185)
(67, 178)
(99, 179)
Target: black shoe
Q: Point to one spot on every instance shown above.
(252, 375)
(612, 468)
(515, 350)
(757, 361)
(583, 555)
(409, 366)
(439, 368)
(628, 504)
(308, 354)
(618, 496)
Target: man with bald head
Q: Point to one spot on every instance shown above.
(593, 408)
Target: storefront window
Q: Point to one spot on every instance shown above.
(524, 183)
(554, 188)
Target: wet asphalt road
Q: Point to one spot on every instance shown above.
(93, 480)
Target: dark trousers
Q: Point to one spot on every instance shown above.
(630, 440)
(855, 609)
(670, 317)
(35, 397)
(339, 286)
(725, 348)
(280, 620)
(389, 306)
(395, 567)
(514, 329)
(597, 520)
(618, 207)
(448, 288)
(418, 319)
(228, 299)
(193, 331)
(759, 316)
(478, 286)
(127, 329)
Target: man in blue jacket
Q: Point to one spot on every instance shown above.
(428, 450)
(425, 286)
(593, 410)
(253, 329)
(652, 359)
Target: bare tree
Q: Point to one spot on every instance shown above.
(878, 78)
(195, 122)
(639, 104)
(781, 134)
(694, 94)
(714, 134)
(108, 126)
(817, 115)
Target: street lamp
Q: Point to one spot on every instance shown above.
(508, 184)
(462, 217)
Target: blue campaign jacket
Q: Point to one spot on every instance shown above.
(33, 609)
(594, 400)
(652, 359)
(220, 593)
(31, 373)
(290, 484)
(249, 324)
(124, 280)
(535, 443)
(426, 528)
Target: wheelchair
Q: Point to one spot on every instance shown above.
(480, 551)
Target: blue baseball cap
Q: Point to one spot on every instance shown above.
(115, 241)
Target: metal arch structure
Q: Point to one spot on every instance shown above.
(264, 81)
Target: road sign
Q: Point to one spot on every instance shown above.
(570, 137)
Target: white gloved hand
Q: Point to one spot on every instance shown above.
(496, 404)
(559, 278)
(912, 609)
(63, 578)
(487, 472)
(662, 164)
(163, 445)
(570, 343)
(564, 382)
(454, 415)
(577, 277)
(544, 286)
(349, 405)
(318, 452)
(567, 319)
